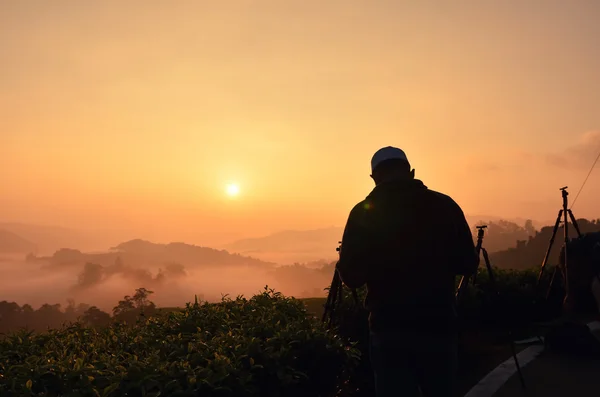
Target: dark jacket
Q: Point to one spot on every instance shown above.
(407, 244)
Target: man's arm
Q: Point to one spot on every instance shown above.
(357, 248)
(464, 257)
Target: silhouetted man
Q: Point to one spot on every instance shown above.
(407, 244)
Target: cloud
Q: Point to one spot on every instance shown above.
(580, 154)
(487, 166)
(496, 162)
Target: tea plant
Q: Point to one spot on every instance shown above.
(264, 346)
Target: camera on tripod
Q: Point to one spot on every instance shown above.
(462, 286)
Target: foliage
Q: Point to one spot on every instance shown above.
(13, 316)
(16, 317)
(502, 234)
(264, 346)
(512, 299)
(511, 303)
(131, 307)
(531, 251)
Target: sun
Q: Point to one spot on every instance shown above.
(232, 190)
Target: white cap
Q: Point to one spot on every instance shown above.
(387, 153)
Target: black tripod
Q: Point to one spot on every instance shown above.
(563, 213)
(336, 294)
(464, 281)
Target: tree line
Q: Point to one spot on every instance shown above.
(529, 252)
(14, 317)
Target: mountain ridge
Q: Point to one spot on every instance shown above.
(148, 254)
(291, 246)
(12, 243)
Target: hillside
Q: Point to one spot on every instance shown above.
(186, 254)
(148, 254)
(11, 243)
(303, 246)
(291, 245)
(50, 238)
(530, 252)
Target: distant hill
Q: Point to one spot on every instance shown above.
(530, 252)
(291, 246)
(49, 238)
(11, 243)
(302, 246)
(146, 254)
(186, 253)
(475, 220)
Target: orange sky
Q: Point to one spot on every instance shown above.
(137, 114)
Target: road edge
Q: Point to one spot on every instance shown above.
(496, 378)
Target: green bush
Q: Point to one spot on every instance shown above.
(513, 302)
(264, 346)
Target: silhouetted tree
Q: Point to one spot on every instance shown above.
(124, 306)
(91, 275)
(95, 317)
(531, 253)
(130, 307)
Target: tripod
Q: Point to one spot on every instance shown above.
(336, 294)
(463, 286)
(564, 213)
(464, 281)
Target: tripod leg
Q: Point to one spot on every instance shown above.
(549, 291)
(550, 246)
(335, 286)
(575, 225)
(462, 286)
(566, 246)
(514, 353)
(486, 258)
(340, 297)
(330, 298)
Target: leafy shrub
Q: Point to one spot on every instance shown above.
(264, 346)
(512, 303)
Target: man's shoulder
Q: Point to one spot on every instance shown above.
(440, 196)
(362, 206)
(362, 211)
(444, 199)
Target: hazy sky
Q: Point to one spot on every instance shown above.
(136, 114)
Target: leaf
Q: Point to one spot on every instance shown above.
(78, 364)
(108, 390)
(29, 384)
